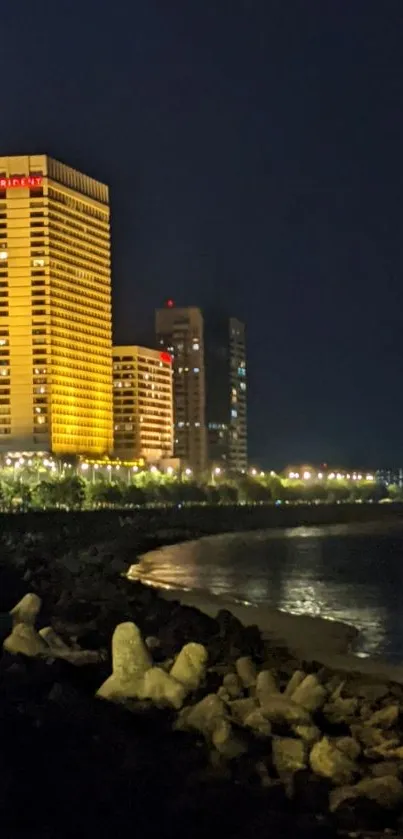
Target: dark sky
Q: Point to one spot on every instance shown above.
(254, 152)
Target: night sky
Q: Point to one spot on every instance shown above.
(254, 153)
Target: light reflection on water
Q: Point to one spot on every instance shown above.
(348, 573)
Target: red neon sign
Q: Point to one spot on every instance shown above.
(21, 183)
(164, 356)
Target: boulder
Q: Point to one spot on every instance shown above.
(341, 710)
(289, 755)
(257, 722)
(202, 716)
(242, 708)
(130, 662)
(27, 610)
(348, 746)
(368, 691)
(384, 718)
(265, 686)
(246, 671)
(297, 677)
(386, 791)
(310, 693)
(53, 640)
(309, 733)
(130, 657)
(232, 685)
(25, 640)
(328, 761)
(279, 708)
(386, 767)
(225, 741)
(161, 688)
(189, 667)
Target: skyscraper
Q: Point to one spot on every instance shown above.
(143, 403)
(55, 309)
(180, 333)
(226, 389)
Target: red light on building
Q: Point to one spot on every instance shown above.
(170, 304)
(164, 356)
(29, 182)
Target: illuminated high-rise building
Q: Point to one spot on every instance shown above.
(143, 404)
(226, 389)
(180, 333)
(55, 309)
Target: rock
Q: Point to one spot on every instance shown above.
(265, 686)
(386, 767)
(189, 667)
(225, 741)
(257, 722)
(53, 640)
(130, 661)
(297, 677)
(223, 694)
(152, 642)
(161, 688)
(369, 736)
(289, 755)
(232, 685)
(309, 733)
(310, 694)
(242, 708)
(329, 762)
(386, 791)
(385, 718)
(246, 671)
(348, 746)
(278, 708)
(202, 716)
(27, 610)
(130, 657)
(341, 710)
(369, 691)
(339, 795)
(25, 640)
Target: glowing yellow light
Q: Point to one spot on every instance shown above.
(359, 477)
(217, 470)
(339, 476)
(253, 472)
(170, 470)
(306, 475)
(320, 475)
(331, 476)
(84, 466)
(369, 477)
(188, 471)
(3, 255)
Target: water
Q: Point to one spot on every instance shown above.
(352, 573)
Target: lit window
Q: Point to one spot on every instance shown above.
(234, 413)
(196, 345)
(180, 369)
(181, 424)
(243, 386)
(197, 425)
(196, 369)
(3, 255)
(38, 263)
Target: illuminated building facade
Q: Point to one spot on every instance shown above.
(142, 404)
(55, 309)
(226, 388)
(180, 333)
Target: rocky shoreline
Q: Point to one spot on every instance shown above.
(121, 709)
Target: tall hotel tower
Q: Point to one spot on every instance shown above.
(55, 309)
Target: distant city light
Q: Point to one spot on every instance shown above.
(253, 472)
(217, 470)
(306, 475)
(170, 470)
(84, 466)
(188, 471)
(320, 475)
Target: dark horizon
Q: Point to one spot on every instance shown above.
(253, 152)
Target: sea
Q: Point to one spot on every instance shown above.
(351, 573)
